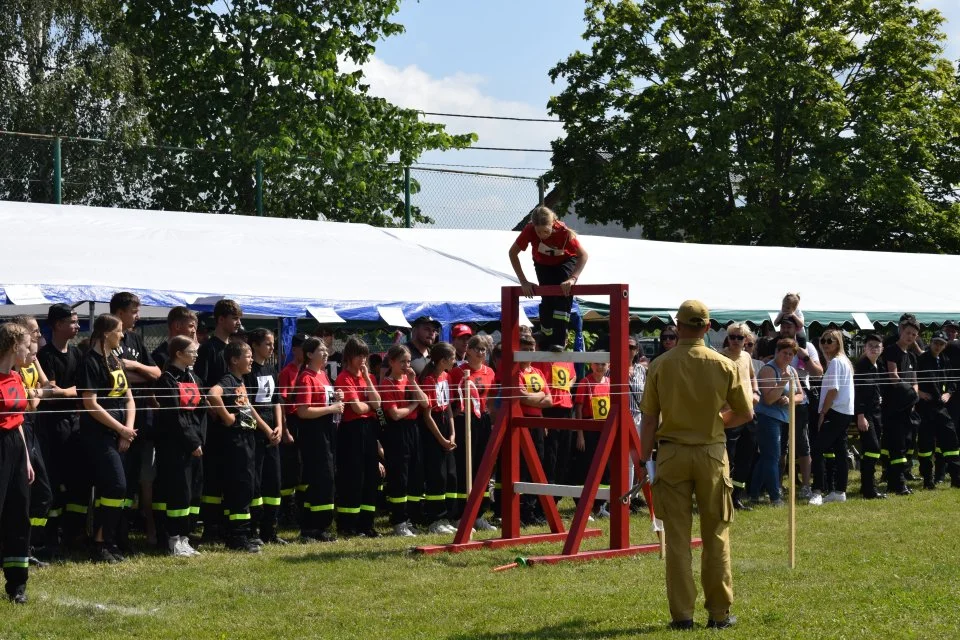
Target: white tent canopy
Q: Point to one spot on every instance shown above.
(735, 281)
(270, 266)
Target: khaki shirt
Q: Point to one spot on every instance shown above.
(688, 386)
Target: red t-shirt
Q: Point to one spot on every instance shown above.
(393, 393)
(482, 382)
(437, 389)
(533, 381)
(561, 377)
(287, 381)
(557, 249)
(312, 389)
(13, 400)
(354, 389)
(594, 397)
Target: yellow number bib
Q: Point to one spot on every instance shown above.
(534, 382)
(561, 377)
(30, 375)
(119, 384)
(601, 407)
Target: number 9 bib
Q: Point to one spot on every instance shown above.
(562, 380)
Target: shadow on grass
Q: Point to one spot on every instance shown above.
(335, 555)
(569, 629)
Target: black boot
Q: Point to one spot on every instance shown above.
(939, 468)
(868, 483)
(738, 500)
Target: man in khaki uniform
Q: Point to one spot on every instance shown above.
(688, 386)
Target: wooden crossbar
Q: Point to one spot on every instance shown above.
(561, 490)
(561, 356)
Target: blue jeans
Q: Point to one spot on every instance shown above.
(766, 472)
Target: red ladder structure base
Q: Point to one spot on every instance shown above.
(511, 438)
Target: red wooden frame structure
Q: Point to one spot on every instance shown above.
(511, 438)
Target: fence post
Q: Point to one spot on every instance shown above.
(407, 222)
(259, 187)
(57, 175)
(541, 188)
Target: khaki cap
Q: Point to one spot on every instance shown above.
(693, 313)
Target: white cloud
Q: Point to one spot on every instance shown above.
(414, 88)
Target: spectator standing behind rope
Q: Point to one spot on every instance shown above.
(807, 364)
(107, 428)
(936, 378)
(558, 259)
(776, 380)
(836, 413)
(16, 472)
(868, 378)
(899, 399)
(740, 443)
(688, 387)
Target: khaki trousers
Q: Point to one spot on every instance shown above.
(682, 472)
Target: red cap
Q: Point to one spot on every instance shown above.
(461, 330)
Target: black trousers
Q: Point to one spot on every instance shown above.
(897, 423)
(870, 453)
(268, 472)
(358, 475)
(557, 447)
(290, 459)
(41, 491)
(529, 503)
(211, 498)
(937, 431)
(237, 473)
(479, 437)
(401, 448)
(831, 439)
(173, 488)
(59, 438)
(439, 474)
(109, 480)
(582, 461)
(14, 509)
(555, 310)
(741, 450)
(318, 449)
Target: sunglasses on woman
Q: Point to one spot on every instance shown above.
(737, 338)
(826, 340)
(748, 345)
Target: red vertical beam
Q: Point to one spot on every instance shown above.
(590, 486)
(620, 452)
(510, 452)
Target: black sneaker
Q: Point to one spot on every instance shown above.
(874, 496)
(326, 536)
(726, 623)
(37, 562)
(372, 533)
(257, 541)
(905, 491)
(102, 554)
(243, 544)
(117, 553)
(681, 625)
(277, 540)
(308, 537)
(18, 595)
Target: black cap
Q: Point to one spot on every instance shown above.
(941, 336)
(299, 339)
(426, 320)
(951, 323)
(909, 320)
(872, 337)
(59, 311)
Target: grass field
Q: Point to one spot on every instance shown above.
(883, 568)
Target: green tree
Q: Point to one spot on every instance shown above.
(59, 76)
(776, 122)
(277, 82)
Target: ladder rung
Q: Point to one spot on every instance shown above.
(561, 490)
(561, 356)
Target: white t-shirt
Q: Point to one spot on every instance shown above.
(800, 366)
(839, 376)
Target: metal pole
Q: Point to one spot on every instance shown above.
(541, 188)
(57, 174)
(792, 464)
(259, 187)
(407, 221)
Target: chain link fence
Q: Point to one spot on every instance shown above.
(82, 171)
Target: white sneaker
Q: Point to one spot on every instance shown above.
(836, 496)
(439, 527)
(816, 500)
(186, 545)
(482, 525)
(805, 493)
(403, 531)
(181, 549)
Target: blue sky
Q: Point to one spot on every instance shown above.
(492, 57)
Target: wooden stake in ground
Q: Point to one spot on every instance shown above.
(467, 419)
(792, 457)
